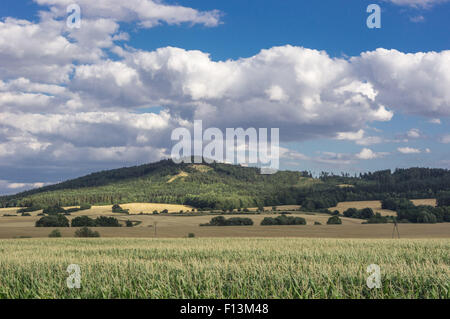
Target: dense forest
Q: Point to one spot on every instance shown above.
(225, 186)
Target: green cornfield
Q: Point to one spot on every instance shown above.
(224, 268)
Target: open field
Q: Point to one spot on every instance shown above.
(180, 226)
(427, 201)
(224, 268)
(374, 204)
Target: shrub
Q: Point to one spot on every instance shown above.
(443, 199)
(351, 212)
(117, 209)
(283, 220)
(426, 218)
(191, 235)
(365, 213)
(239, 221)
(86, 232)
(164, 211)
(28, 209)
(377, 219)
(129, 223)
(396, 203)
(425, 214)
(155, 212)
(234, 221)
(55, 233)
(317, 223)
(82, 221)
(53, 221)
(54, 210)
(85, 206)
(26, 214)
(103, 221)
(334, 220)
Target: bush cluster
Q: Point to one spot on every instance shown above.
(28, 209)
(365, 213)
(283, 220)
(396, 203)
(234, 221)
(86, 232)
(53, 221)
(408, 212)
(117, 209)
(378, 219)
(102, 221)
(425, 214)
(334, 220)
(55, 233)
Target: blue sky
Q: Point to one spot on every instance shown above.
(109, 94)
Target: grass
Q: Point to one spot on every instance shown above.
(224, 268)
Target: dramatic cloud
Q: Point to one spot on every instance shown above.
(412, 83)
(81, 95)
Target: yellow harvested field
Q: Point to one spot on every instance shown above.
(13, 210)
(134, 208)
(175, 226)
(428, 202)
(9, 210)
(374, 204)
(279, 208)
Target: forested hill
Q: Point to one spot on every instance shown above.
(224, 186)
(201, 185)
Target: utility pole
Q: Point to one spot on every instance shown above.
(395, 228)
